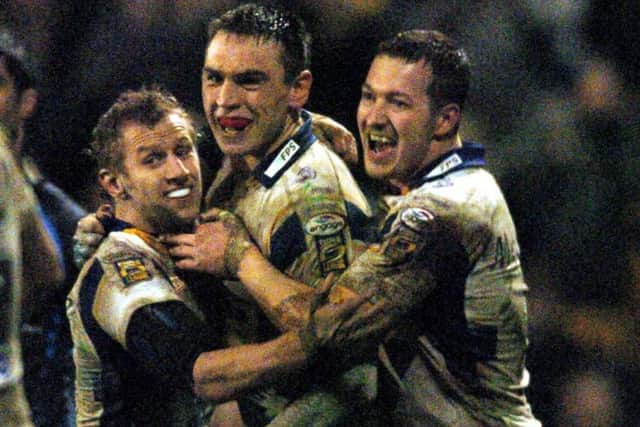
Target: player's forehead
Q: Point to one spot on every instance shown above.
(236, 53)
(397, 76)
(172, 128)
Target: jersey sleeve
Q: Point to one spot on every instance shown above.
(129, 282)
(166, 338)
(399, 271)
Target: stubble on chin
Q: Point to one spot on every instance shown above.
(166, 221)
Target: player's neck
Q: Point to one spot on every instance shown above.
(439, 148)
(291, 125)
(124, 211)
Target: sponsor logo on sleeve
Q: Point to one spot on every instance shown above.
(324, 225)
(327, 231)
(132, 271)
(416, 219)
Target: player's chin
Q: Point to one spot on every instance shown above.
(378, 171)
(183, 218)
(189, 215)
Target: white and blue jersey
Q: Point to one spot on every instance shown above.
(137, 332)
(305, 212)
(448, 262)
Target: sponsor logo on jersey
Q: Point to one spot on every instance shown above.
(132, 271)
(327, 231)
(332, 253)
(446, 165)
(416, 219)
(283, 157)
(324, 225)
(305, 174)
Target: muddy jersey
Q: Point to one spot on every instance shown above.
(126, 311)
(301, 205)
(305, 212)
(448, 261)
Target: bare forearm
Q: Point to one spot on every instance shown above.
(223, 375)
(284, 300)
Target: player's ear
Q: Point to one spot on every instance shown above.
(447, 121)
(28, 103)
(300, 90)
(111, 183)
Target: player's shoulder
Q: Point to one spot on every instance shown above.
(465, 192)
(121, 263)
(119, 279)
(322, 174)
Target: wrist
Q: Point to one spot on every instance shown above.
(235, 253)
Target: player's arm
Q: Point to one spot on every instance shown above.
(225, 374)
(217, 247)
(221, 246)
(395, 272)
(171, 343)
(168, 341)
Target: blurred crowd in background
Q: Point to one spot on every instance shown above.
(554, 97)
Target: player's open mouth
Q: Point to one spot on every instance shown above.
(233, 125)
(179, 193)
(379, 143)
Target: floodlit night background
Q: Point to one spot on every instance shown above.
(554, 98)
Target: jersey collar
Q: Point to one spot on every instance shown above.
(111, 224)
(471, 154)
(276, 163)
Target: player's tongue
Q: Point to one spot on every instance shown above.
(236, 124)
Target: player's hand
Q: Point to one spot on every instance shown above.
(89, 233)
(217, 246)
(337, 137)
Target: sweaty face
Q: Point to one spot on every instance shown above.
(395, 120)
(244, 94)
(161, 175)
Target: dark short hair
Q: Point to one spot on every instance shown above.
(449, 62)
(269, 23)
(19, 61)
(146, 106)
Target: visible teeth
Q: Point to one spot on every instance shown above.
(376, 142)
(182, 192)
(231, 131)
(378, 139)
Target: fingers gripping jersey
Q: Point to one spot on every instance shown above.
(129, 278)
(448, 263)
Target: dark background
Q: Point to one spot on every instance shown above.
(554, 98)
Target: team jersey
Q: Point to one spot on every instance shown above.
(305, 212)
(133, 372)
(301, 205)
(448, 262)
